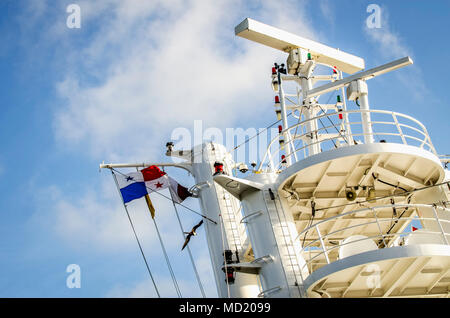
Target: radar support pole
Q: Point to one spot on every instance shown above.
(365, 116)
(305, 72)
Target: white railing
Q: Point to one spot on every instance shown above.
(445, 159)
(344, 128)
(319, 251)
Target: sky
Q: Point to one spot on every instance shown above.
(115, 89)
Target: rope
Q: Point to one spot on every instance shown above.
(170, 199)
(175, 283)
(135, 235)
(190, 254)
(169, 266)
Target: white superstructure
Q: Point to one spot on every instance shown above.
(345, 202)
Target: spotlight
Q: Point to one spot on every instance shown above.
(371, 195)
(169, 146)
(350, 194)
(243, 168)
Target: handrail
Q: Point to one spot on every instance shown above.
(384, 206)
(340, 134)
(250, 216)
(269, 291)
(324, 249)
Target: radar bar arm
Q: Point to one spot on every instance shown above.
(379, 70)
(284, 41)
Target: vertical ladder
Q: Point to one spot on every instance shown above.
(229, 208)
(231, 220)
(285, 244)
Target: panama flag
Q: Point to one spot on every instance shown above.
(138, 184)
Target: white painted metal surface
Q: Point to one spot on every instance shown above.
(285, 41)
(272, 232)
(221, 206)
(365, 75)
(356, 244)
(403, 271)
(341, 244)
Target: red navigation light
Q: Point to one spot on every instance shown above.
(280, 129)
(277, 99)
(230, 276)
(218, 167)
(283, 159)
(274, 71)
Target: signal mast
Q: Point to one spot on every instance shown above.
(356, 205)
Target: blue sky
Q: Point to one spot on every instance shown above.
(115, 89)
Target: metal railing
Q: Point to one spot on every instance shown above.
(445, 159)
(317, 252)
(346, 129)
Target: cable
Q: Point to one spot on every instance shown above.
(331, 122)
(135, 235)
(313, 214)
(189, 252)
(401, 214)
(169, 266)
(385, 197)
(257, 134)
(387, 183)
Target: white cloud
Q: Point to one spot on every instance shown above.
(391, 46)
(163, 65)
(96, 220)
(148, 68)
(326, 8)
(174, 67)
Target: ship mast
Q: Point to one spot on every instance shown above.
(338, 204)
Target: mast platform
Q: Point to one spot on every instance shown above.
(404, 271)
